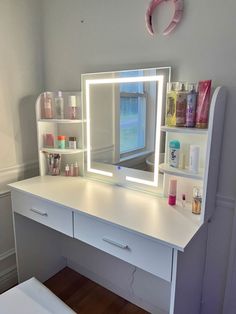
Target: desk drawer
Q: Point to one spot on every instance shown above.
(144, 253)
(54, 216)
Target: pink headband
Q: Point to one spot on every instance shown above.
(179, 8)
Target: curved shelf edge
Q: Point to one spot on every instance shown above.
(66, 121)
(61, 151)
(193, 131)
(181, 172)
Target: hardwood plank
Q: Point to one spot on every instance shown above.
(86, 297)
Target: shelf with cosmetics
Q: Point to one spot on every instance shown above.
(191, 159)
(60, 127)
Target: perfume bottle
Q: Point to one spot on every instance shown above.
(47, 106)
(73, 109)
(197, 201)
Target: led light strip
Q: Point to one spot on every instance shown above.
(153, 78)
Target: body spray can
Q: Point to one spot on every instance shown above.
(171, 104)
(191, 107)
(181, 104)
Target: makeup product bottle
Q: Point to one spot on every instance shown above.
(59, 106)
(67, 170)
(76, 170)
(181, 104)
(194, 158)
(174, 147)
(191, 107)
(73, 109)
(47, 107)
(171, 104)
(172, 192)
(49, 140)
(72, 142)
(197, 201)
(61, 141)
(181, 159)
(71, 171)
(183, 201)
(203, 104)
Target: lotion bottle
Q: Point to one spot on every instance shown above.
(194, 158)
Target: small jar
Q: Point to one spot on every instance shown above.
(61, 141)
(174, 147)
(72, 142)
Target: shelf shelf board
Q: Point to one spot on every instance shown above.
(166, 168)
(186, 212)
(61, 151)
(165, 128)
(66, 121)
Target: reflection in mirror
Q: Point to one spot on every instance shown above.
(124, 112)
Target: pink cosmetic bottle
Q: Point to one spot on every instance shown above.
(47, 105)
(172, 192)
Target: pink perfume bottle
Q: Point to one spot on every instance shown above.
(47, 107)
(172, 192)
(73, 109)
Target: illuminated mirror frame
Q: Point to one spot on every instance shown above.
(153, 78)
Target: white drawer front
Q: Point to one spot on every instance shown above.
(128, 246)
(44, 212)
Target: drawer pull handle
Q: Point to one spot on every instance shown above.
(37, 211)
(120, 245)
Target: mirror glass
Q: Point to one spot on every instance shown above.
(124, 111)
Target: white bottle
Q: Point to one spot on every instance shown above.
(194, 158)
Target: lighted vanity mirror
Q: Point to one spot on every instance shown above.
(124, 111)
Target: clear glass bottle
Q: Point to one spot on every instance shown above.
(59, 106)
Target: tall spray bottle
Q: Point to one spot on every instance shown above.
(191, 106)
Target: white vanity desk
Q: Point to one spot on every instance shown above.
(133, 226)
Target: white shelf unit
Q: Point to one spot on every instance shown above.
(66, 126)
(209, 141)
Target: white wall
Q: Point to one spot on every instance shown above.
(90, 36)
(21, 80)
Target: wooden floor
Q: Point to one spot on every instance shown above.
(86, 297)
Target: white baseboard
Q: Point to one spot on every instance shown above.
(8, 278)
(127, 295)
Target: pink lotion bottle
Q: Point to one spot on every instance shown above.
(172, 192)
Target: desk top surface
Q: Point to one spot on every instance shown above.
(135, 211)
